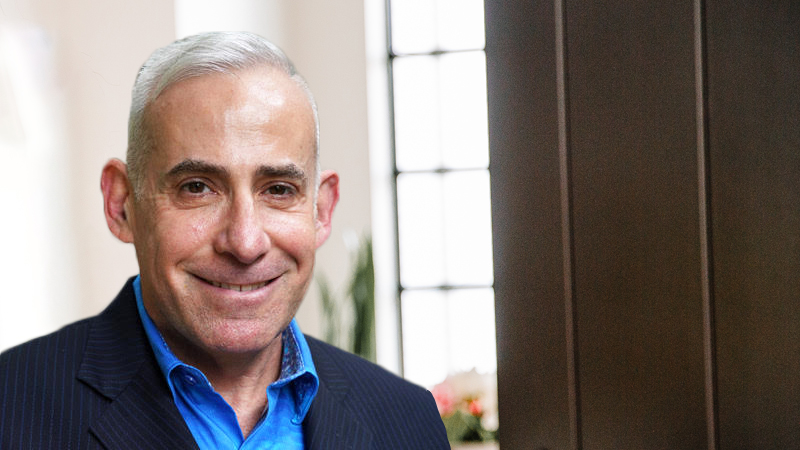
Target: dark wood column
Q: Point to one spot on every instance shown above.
(754, 137)
(646, 208)
(532, 358)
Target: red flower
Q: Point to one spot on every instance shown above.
(475, 408)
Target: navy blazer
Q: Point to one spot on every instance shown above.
(96, 384)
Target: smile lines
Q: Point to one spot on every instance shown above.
(239, 287)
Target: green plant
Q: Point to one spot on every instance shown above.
(362, 294)
(358, 304)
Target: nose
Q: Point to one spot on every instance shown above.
(243, 236)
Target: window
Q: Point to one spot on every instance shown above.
(441, 179)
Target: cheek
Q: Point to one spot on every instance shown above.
(178, 235)
(294, 235)
(197, 229)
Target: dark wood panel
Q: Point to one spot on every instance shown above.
(754, 136)
(636, 232)
(527, 229)
(631, 112)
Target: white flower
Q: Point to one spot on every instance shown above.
(466, 386)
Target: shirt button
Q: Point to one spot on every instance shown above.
(190, 379)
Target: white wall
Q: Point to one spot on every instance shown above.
(64, 263)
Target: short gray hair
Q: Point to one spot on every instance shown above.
(194, 56)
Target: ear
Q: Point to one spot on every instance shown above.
(116, 195)
(327, 198)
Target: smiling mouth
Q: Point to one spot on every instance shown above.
(239, 287)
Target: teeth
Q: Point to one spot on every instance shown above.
(239, 287)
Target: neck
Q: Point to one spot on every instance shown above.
(246, 392)
(241, 379)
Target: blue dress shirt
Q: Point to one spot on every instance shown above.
(212, 420)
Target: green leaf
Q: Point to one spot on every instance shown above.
(330, 310)
(362, 294)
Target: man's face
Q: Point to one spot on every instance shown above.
(226, 227)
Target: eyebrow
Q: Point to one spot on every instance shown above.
(196, 166)
(189, 166)
(290, 171)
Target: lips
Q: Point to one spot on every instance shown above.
(238, 287)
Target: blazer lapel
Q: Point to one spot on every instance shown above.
(143, 416)
(119, 364)
(331, 424)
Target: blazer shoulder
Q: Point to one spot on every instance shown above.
(336, 366)
(93, 374)
(40, 391)
(399, 414)
(69, 340)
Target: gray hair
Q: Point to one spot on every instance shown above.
(194, 56)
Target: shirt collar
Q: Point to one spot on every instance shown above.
(297, 366)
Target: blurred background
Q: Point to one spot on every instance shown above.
(401, 89)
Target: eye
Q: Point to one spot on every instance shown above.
(280, 190)
(195, 187)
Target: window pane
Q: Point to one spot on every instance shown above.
(420, 26)
(444, 229)
(440, 112)
(468, 237)
(413, 26)
(465, 135)
(446, 332)
(471, 330)
(421, 229)
(461, 25)
(425, 337)
(417, 113)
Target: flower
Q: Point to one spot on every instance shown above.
(467, 403)
(445, 399)
(475, 408)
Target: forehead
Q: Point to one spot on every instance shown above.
(250, 114)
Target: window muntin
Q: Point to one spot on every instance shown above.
(441, 157)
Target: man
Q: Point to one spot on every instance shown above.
(225, 204)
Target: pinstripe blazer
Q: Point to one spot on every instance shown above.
(96, 384)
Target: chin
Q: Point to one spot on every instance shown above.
(245, 338)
